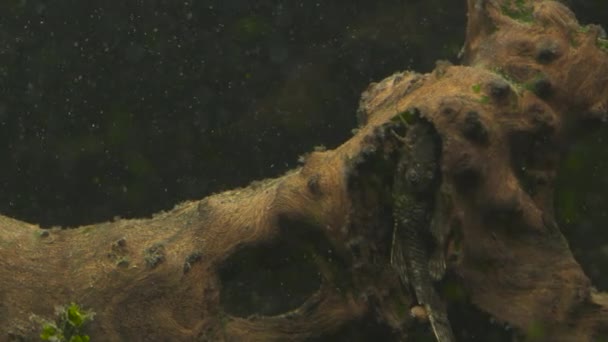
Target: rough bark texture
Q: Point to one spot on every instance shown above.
(531, 79)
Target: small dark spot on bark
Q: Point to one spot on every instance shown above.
(547, 51)
(473, 129)
(499, 88)
(122, 262)
(154, 255)
(448, 111)
(119, 253)
(542, 87)
(313, 185)
(122, 242)
(450, 108)
(192, 259)
(119, 246)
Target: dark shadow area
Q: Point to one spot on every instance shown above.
(581, 204)
(279, 276)
(268, 280)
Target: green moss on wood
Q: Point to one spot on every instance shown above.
(519, 10)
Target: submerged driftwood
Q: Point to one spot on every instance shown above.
(531, 79)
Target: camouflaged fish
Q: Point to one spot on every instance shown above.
(416, 184)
